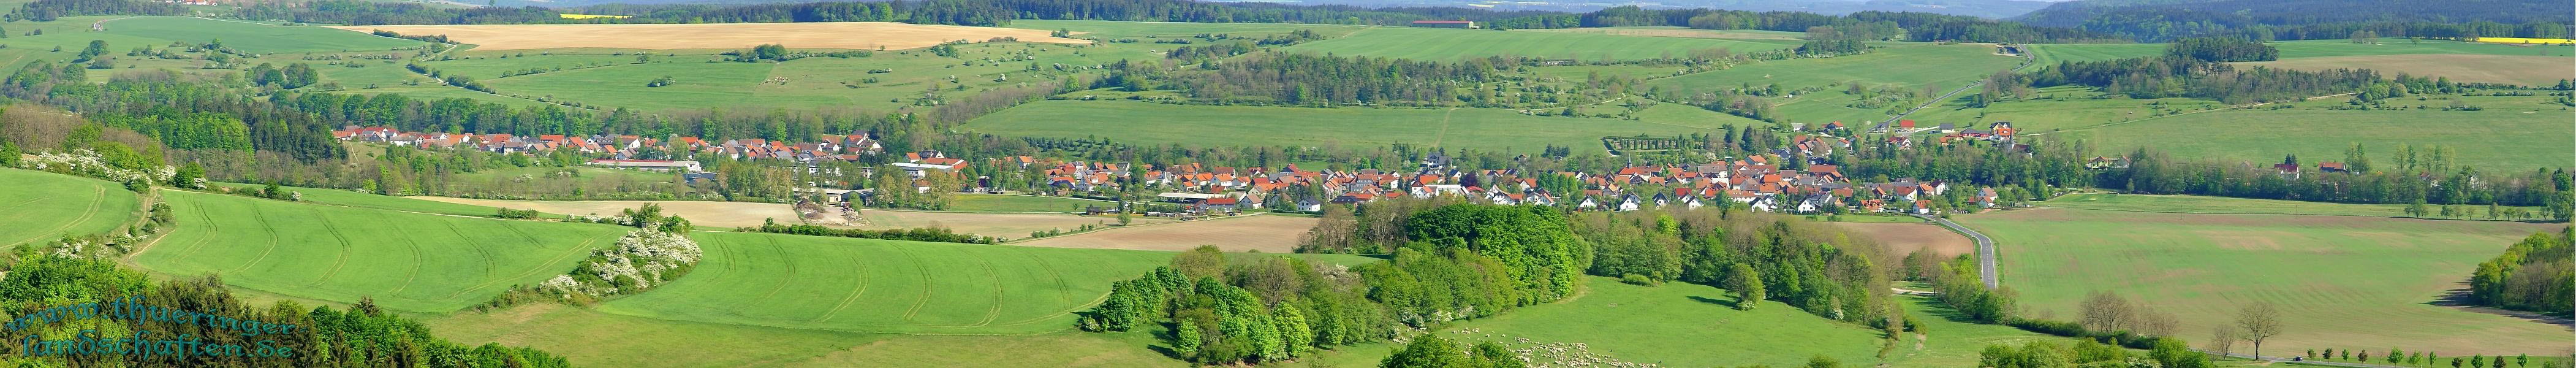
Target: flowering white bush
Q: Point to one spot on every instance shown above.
(85, 162)
(642, 260)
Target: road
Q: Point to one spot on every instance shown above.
(1985, 248)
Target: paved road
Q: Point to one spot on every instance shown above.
(1985, 248)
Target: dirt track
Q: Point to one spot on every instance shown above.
(822, 35)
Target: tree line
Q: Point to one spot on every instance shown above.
(48, 10)
(171, 108)
(2534, 274)
(2269, 20)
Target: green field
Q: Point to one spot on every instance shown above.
(886, 286)
(2497, 139)
(1021, 203)
(254, 38)
(865, 285)
(1159, 124)
(2050, 54)
(1101, 29)
(2341, 281)
(44, 206)
(594, 339)
(1911, 65)
(2204, 204)
(344, 197)
(407, 262)
(1436, 44)
(1678, 325)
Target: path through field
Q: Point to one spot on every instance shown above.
(703, 213)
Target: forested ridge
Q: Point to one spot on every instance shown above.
(2310, 19)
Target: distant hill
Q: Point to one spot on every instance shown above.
(1977, 8)
(2167, 19)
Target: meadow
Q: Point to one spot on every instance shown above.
(2050, 54)
(44, 206)
(1005, 225)
(345, 197)
(866, 285)
(829, 35)
(252, 37)
(611, 78)
(1149, 123)
(1102, 29)
(2206, 204)
(1908, 65)
(406, 261)
(700, 213)
(2506, 69)
(1739, 34)
(2341, 282)
(1436, 44)
(2496, 139)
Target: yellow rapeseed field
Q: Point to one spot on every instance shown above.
(2541, 41)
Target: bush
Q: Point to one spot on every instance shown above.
(1636, 279)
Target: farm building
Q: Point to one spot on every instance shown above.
(1445, 24)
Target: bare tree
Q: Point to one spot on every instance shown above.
(2104, 311)
(2221, 339)
(2259, 321)
(2158, 323)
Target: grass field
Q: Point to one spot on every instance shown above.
(249, 37)
(1677, 325)
(1149, 123)
(701, 213)
(1145, 30)
(865, 285)
(2508, 69)
(829, 35)
(44, 206)
(2203, 204)
(407, 262)
(2341, 282)
(1265, 233)
(344, 197)
(1911, 65)
(1006, 225)
(591, 338)
(1021, 203)
(1454, 44)
(2496, 139)
(1740, 34)
(2050, 54)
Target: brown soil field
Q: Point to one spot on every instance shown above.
(1005, 225)
(2523, 70)
(818, 35)
(1686, 33)
(702, 213)
(1266, 233)
(1903, 238)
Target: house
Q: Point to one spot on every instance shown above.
(2332, 167)
(2002, 129)
(649, 165)
(1215, 205)
(1985, 197)
(1445, 24)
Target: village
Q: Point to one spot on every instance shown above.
(1754, 182)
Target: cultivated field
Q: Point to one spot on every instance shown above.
(1142, 30)
(2204, 204)
(41, 206)
(2508, 69)
(1740, 34)
(1265, 233)
(1454, 44)
(1022, 203)
(2500, 138)
(867, 285)
(589, 337)
(1311, 127)
(406, 261)
(1671, 325)
(1911, 65)
(1901, 238)
(2052, 54)
(344, 197)
(246, 36)
(1006, 225)
(2341, 282)
(815, 35)
(701, 213)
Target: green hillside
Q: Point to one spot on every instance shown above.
(406, 261)
(1156, 123)
(1453, 44)
(42, 206)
